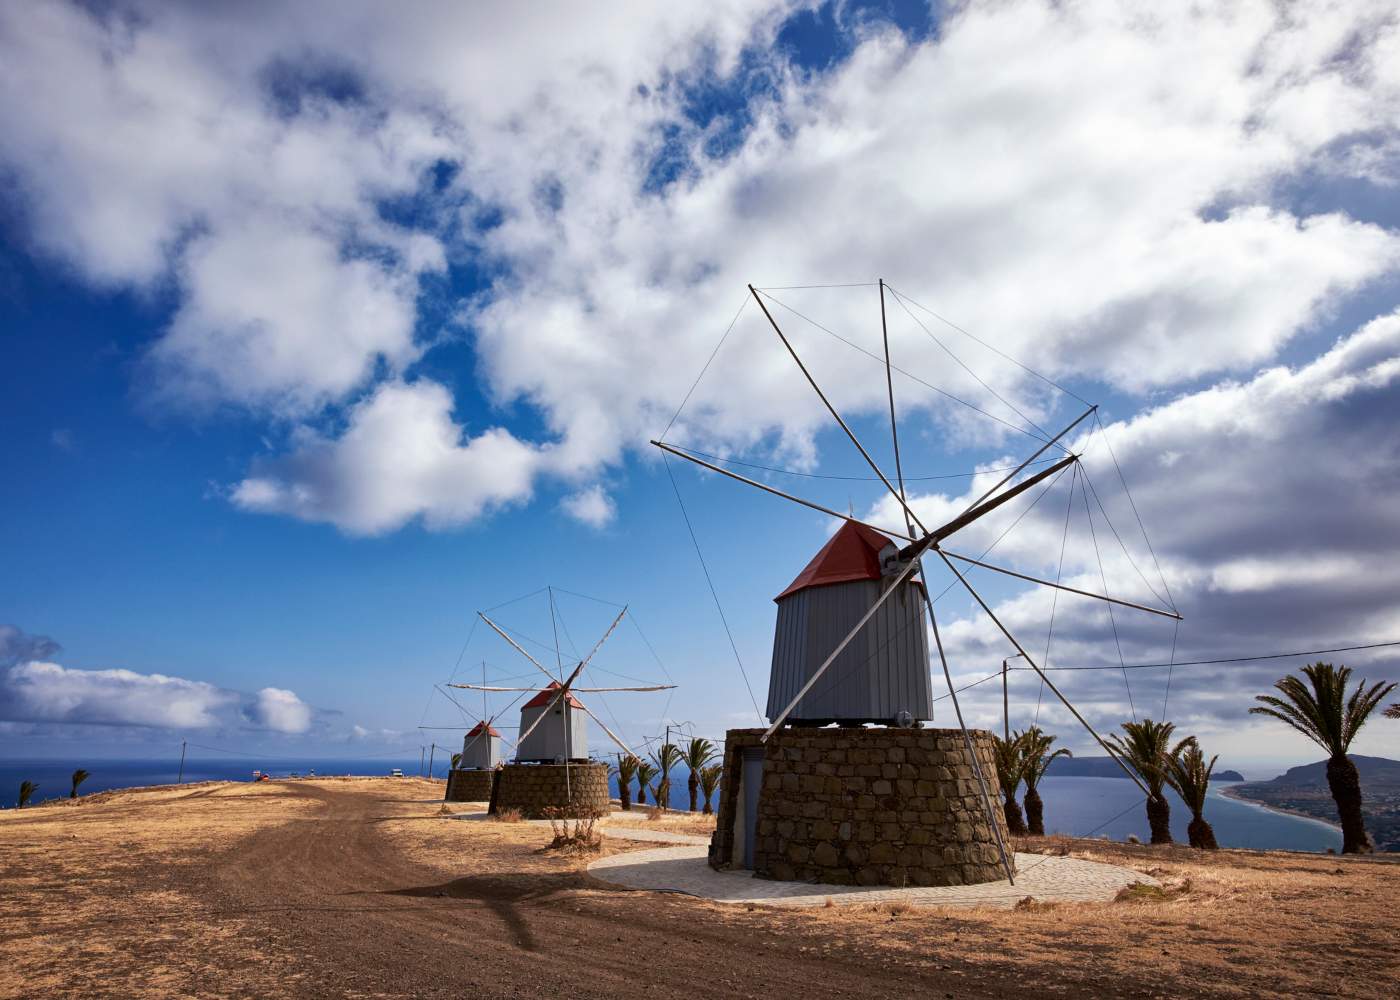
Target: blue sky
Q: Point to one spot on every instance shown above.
(320, 335)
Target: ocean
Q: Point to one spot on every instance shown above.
(1081, 807)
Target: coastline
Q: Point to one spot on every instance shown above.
(1230, 792)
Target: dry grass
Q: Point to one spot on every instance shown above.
(509, 816)
(672, 821)
(104, 881)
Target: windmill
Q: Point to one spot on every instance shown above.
(552, 768)
(875, 568)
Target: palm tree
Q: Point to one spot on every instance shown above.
(1393, 712)
(667, 756)
(1145, 749)
(79, 776)
(26, 792)
(1330, 719)
(645, 772)
(1189, 775)
(456, 761)
(1010, 765)
(709, 781)
(1036, 758)
(698, 753)
(626, 771)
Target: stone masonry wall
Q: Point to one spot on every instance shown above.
(866, 807)
(469, 785)
(533, 788)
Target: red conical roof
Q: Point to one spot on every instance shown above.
(543, 698)
(853, 553)
(476, 730)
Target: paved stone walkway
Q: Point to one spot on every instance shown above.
(685, 870)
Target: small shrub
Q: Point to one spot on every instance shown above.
(509, 816)
(1141, 892)
(1133, 839)
(898, 908)
(573, 832)
(1032, 905)
(655, 813)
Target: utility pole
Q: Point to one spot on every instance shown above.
(430, 760)
(181, 779)
(421, 751)
(1005, 709)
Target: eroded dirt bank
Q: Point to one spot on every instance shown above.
(358, 888)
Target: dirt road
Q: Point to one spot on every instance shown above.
(361, 889)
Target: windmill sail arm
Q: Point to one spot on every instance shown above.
(654, 687)
(1061, 586)
(487, 687)
(599, 644)
(611, 735)
(680, 453)
(518, 648)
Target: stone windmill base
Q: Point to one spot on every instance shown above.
(470, 784)
(580, 791)
(898, 807)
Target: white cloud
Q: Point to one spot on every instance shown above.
(282, 711)
(38, 692)
(1048, 175)
(400, 457)
(46, 692)
(591, 506)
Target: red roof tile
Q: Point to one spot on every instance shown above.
(853, 553)
(542, 699)
(476, 730)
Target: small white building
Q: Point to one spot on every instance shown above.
(563, 736)
(481, 749)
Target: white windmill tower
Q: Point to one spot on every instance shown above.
(833, 662)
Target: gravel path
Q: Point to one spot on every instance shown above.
(685, 870)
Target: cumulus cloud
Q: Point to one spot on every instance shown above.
(401, 457)
(46, 692)
(282, 711)
(591, 506)
(34, 691)
(1043, 173)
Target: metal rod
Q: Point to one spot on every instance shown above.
(1048, 682)
(1005, 704)
(903, 575)
(966, 518)
(480, 687)
(1040, 451)
(894, 425)
(181, 779)
(1061, 586)
(967, 743)
(598, 645)
(849, 433)
(626, 749)
(430, 760)
(776, 492)
(558, 653)
(518, 648)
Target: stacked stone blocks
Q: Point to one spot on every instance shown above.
(469, 785)
(875, 806)
(535, 788)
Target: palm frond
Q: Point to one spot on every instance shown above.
(1320, 709)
